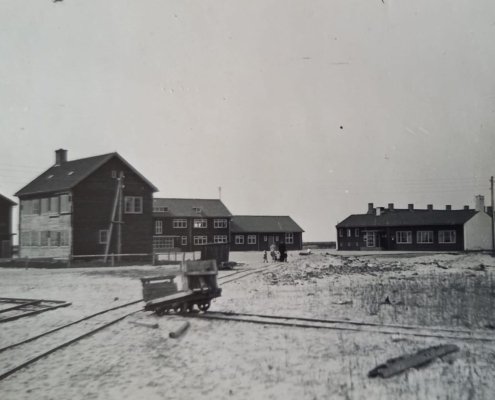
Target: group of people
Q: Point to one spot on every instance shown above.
(277, 255)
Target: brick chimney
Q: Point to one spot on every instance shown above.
(390, 206)
(466, 207)
(448, 207)
(370, 208)
(410, 207)
(479, 202)
(60, 156)
(430, 207)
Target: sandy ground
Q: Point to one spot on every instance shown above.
(230, 360)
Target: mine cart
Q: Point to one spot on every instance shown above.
(198, 281)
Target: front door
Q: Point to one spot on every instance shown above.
(370, 239)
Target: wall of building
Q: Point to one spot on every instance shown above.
(478, 232)
(189, 232)
(93, 201)
(264, 240)
(388, 239)
(5, 226)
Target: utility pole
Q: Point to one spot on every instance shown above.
(492, 216)
(120, 221)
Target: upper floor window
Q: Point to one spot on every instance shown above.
(349, 232)
(200, 223)
(65, 203)
(200, 240)
(133, 204)
(158, 227)
(179, 223)
(160, 209)
(341, 232)
(219, 223)
(239, 239)
(220, 239)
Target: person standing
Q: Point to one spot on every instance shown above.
(283, 251)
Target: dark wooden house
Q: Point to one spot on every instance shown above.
(189, 224)
(6, 206)
(416, 229)
(252, 232)
(67, 210)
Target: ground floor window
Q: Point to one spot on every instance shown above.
(403, 237)
(251, 239)
(220, 239)
(356, 232)
(103, 236)
(162, 242)
(289, 238)
(200, 240)
(184, 241)
(239, 239)
(45, 238)
(446, 237)
(425, 237)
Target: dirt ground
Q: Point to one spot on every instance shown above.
(232, 360)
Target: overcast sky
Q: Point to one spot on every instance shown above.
(306, 108)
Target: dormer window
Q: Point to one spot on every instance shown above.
(160, 209)
(197, 210)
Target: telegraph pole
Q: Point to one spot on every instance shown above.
(492, 216)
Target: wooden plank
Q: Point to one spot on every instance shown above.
(27, 314)
(171, 297)
(397, 365)
(31, 303)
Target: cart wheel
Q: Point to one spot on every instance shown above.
(204, 306)
(190, 307)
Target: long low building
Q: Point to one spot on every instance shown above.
(258, 232)
(417, 229)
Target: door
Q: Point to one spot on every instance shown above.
(370, 239)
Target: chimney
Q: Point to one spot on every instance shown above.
(410, 207)
(430, 207)
(479, 202)
(370, 208)
(378, 211)
(60, 156)
(390, 206)
(448, 207)
(466, 207)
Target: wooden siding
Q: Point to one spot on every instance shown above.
(261, 244)
(388, 240)
(5, 225)
(92, 207)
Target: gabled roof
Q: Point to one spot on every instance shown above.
(7, 200)
(401, 217)
(68, 174)
(191, 208)
(264, 223)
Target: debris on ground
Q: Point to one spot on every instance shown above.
(145, 324)
(180, 331)
(400, 364)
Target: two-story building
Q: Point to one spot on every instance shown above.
(76, 207)
(6, 206)
(187, 224)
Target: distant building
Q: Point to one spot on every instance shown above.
(67, 210)
(189, 224)
(417, 229)
(251, 232)
(6, 206)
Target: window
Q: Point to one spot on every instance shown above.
(265, 238)
(30, 207)
(289, 238)
(45, 205)
(276, 238)
(251, 239)
(26, 239)
(44, 238)
(179, 223)
(349, 232)
(356, 232)
(184, 240)
(35, 206)
(446, 237)
(220, 239)
(200, 223)
(219, 223)
(341, 232)
(160, 243)
(133, 205)
(197, 210)
(103, 236)
(54, 205)
(239, 239)
(425, 237)
(160, 209)
(114, 174)
(54, 238)
(158, 227)
(64, 203)
(35, 238)
(64, 238)
(403, 237)
(200, 240)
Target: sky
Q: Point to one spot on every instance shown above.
(310, 109)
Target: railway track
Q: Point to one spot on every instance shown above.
(342, 325)
(245, 272)
(29, 351)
